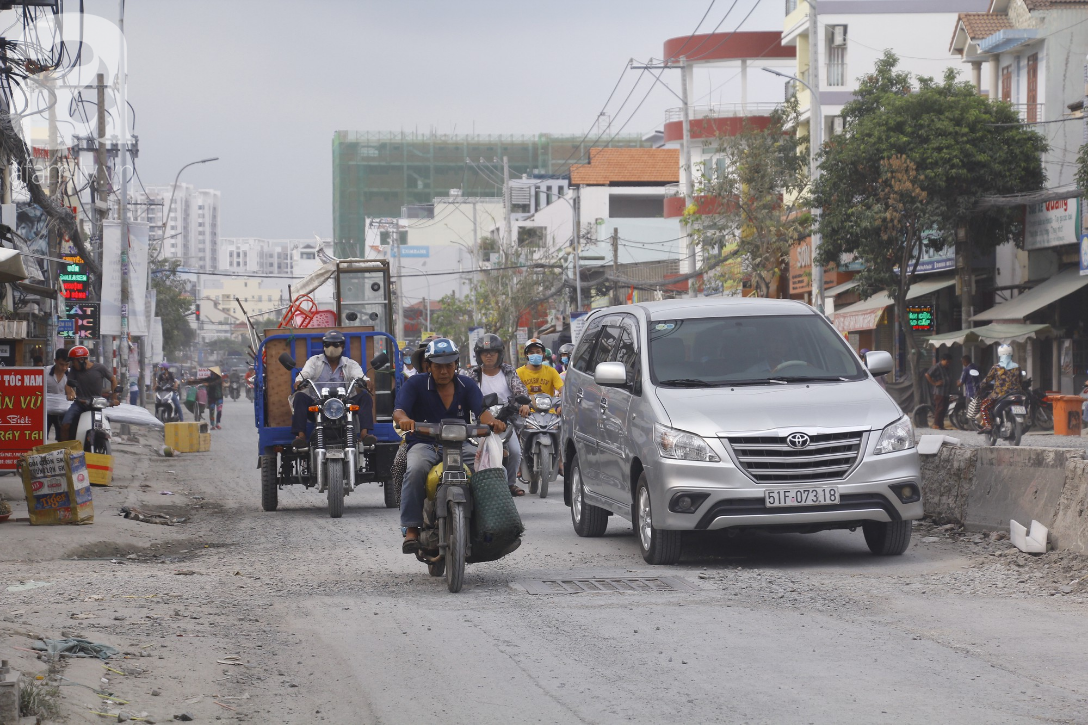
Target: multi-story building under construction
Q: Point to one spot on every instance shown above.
(375, 174)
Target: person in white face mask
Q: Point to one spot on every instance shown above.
(1005, 379)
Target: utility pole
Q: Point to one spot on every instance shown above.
(510, 247)
(815, 138)
(122, 116)
(577, 239)
(102, 202)
(400, 284)
(689, 190)
(615, 264)
(54, 236)
(475, 263)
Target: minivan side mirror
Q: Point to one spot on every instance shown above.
(879, 362)
(610, 374)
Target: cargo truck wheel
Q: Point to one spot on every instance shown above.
(269, 491)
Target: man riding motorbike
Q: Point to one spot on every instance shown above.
(1005, 378)
(495, 376)
(85, 382)
(429, 398)
(331, 366)
(538, 377)
(165, 380)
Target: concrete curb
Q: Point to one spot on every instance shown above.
(983, 488)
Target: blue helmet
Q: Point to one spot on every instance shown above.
(442, 350)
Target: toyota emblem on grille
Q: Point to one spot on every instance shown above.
(798, 440)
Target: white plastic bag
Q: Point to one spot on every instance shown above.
(489, 454)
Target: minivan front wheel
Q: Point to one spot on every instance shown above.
(588, 520)
(887, 539)
(657, 545)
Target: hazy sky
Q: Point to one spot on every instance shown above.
(263, 85)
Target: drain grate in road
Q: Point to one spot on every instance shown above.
(594, 585)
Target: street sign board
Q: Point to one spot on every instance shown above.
(73, 278)
(66, 327)
(22, 413)
(84, 319)
(414, 250)
(921, 318)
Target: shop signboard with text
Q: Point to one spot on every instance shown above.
(22, 413)
(1051, 224)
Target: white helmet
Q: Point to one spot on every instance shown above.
(1004, 350)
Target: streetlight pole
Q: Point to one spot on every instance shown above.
(575, 238)
(815, 140)
(173, 191)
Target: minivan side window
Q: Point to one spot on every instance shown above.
(626, 354)
(580, 359)
(606, 344)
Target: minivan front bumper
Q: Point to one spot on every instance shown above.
(733, 500)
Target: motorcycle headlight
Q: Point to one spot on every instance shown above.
(899, 436)
(542, 402)
(681, 445)
(333, 408)
(454, 432)
(99, 403)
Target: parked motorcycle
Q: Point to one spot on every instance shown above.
(540, 445)
(332, 445)
(1040, 410)
(164, 405)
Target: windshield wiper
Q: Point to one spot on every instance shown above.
(784, 380)
(687, 383)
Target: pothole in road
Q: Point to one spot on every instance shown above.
(607, 585)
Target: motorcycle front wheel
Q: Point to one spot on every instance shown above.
(544, 457)
(334, 474)
(456, 536)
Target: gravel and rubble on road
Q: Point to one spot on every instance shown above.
(239, 615)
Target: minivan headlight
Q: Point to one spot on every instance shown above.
(684, 446)
(899, 436)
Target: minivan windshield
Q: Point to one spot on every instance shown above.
(758, 350)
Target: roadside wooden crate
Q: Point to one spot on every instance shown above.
(183, 437)
(278, 382)
(99, 468)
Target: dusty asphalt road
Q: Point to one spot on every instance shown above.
(332, 624)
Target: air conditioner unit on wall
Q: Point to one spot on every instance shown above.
(838, 36)
(836, 125)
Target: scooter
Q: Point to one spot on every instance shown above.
(164, 405)
(1040, 409)
(93, 428)
(1006, 417)
(540, 445)
(235, 389)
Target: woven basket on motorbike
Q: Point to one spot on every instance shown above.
(496, 524)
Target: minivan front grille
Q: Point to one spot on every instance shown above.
(771, 459)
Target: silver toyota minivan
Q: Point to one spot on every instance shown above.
(701, 414)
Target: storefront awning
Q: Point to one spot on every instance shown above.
(840, 288)
(996, 332)
(11, 266)
(864, 315)
(1036, 298)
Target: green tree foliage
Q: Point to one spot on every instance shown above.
(500, 297)
(755, 193)
(1082, 168)
(908, 171)
(173, 304)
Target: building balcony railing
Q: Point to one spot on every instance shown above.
(1029, 112)
(836, 74)
(722, 110)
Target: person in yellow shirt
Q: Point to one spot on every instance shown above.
(538, 377)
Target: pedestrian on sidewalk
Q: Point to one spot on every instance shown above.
(214, 385)
(940, 377)
(968, 382)
(55, 379)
